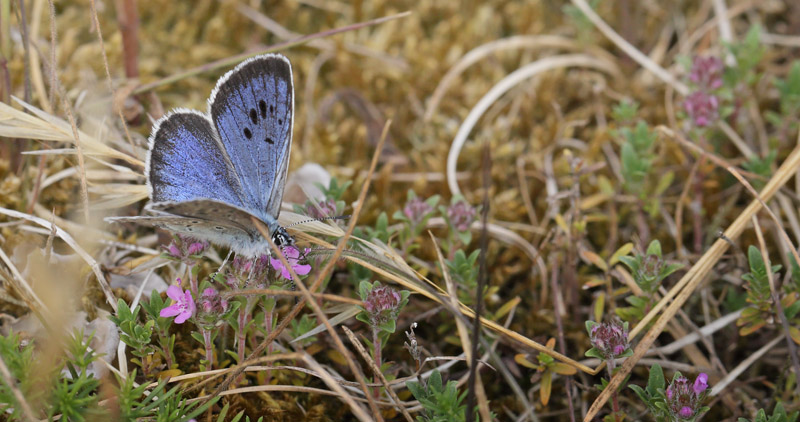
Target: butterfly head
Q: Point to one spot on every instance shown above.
(281, 238)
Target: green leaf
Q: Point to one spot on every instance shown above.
(655, 380)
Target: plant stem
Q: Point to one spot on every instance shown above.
(269, 307)
(209, 350)
(242, 321)
(193, 282)
(376, 353)
(610, 364)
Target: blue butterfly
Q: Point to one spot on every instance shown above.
(209, 173)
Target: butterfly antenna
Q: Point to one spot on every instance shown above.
(311, 220)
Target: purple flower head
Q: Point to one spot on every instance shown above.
(212, 302)
(248, 272)
(702, 108)
(382, 303)
(685, 399)
(416, 210)
(292, 255)
(212, 308)
(183, 308)
(326, 208)
(461, 215)
(185, 248)
(706, 72)
(610, 338)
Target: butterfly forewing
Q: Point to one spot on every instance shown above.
(186, 162)
(252, 108)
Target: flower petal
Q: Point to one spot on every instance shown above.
(302, 269)
(180, 319)
(170, 311)
(174, 293)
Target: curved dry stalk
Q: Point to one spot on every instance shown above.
(518, 76)
(629, 49)
(692, 279)
(511, 43)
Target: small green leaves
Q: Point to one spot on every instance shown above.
(778, 415)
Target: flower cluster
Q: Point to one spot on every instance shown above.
(381, 303)
(323, 209)
(248, 272)
(185, 248)
(611, 339)
(702, 105)
(416, 210)
(461, 215)
(212, 307)
(706, 72)
(684, 399)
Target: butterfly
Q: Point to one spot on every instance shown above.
(208, 174)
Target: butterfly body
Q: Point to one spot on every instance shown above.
(210, 174)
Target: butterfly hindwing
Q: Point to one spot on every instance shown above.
(186, 161)
(252, 108)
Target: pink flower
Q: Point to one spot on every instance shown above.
(416, 210)
(686, 412)
(706, 72)
(461, 215)
(610, 338)
(183, 307)
(292, 255)
(702, 108)
(700, 383)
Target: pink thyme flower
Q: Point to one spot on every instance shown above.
(461, 215)
(610, 338)
(684, 400)
(702, 108)
(416, 210)
(700, 383)
(292, 255)
(183, 307)
(382, 303)
(326, 208)
(706, 72)
(246, 273)
(185, 248)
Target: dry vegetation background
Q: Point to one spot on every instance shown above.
(559, 202)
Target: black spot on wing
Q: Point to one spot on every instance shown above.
(253, 116)
(262, 106)
(247, 133)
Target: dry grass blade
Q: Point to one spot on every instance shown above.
(377, 371)
(69, 240)
(466, 341)
(518, 76)
(689, 282)
(43, 126)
